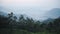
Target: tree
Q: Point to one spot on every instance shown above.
(11, 21)
(56, 25)
(3, 21)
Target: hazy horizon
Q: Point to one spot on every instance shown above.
(35, 8)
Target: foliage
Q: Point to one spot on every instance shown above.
(30, 25)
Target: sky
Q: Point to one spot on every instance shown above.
(34, 8)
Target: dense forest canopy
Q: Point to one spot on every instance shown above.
(29, 24)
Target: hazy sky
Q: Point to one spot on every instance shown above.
(33, 8)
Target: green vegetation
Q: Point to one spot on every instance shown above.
(19, 31)
(11, 25)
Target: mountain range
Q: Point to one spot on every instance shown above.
(54, 13)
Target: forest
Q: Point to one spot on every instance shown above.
(11, 24)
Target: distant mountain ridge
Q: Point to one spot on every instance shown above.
(48, 20)
(3, 13)
(53, 13)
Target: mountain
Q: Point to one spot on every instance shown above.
(3, 13)
(17, 15)
(48, 20)
(54, 13)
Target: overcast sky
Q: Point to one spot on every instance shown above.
(33, 8)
